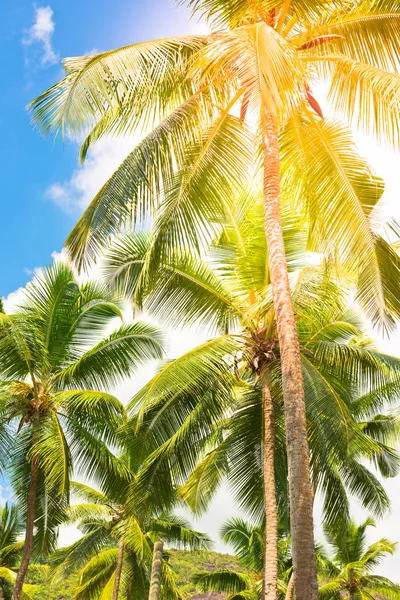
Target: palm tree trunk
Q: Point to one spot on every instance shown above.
(30, 522)
(290, 588)
(301, 506)
(156, 569)
(118, 571)
(270, 581)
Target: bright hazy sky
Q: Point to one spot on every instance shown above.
(44, 191)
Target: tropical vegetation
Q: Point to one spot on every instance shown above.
(247, 213)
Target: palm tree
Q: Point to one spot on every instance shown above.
(263, 61)
(226, 294)
(51, 349)
(248, 544)
(353, 565)
(116, 552)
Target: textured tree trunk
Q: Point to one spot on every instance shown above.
(290, 588)
(156, 569)
(301, 506)
(118, 571)
(30, 523)
(270, 581)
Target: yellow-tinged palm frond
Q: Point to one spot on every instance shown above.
(96, 83)
(235, 13)
(184, 140)
(369, 32)
(196, 201)
(324, 176)
(368, 97)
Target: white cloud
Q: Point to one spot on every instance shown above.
(41, 33)
(13, 300)
(74, 194)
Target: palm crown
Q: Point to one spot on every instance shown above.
(193, 159)
(115, 552)
(354, 563)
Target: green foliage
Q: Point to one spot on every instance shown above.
(184, 564)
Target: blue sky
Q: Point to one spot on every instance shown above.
(30, 60)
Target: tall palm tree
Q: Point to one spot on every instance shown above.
(353, 565)
(53, 355)
(263, 62)
(227, 294)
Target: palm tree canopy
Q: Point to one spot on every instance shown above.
(107, 519)
(199, 151)
(354, 564)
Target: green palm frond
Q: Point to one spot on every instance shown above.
(195, 370)
(96, 574)
(187, 290)
(224, 581)
(125, 349)
(75, 556)
(199, 488)
(88, 512)
(98, 412)
(53, 454)
(246, 540)
(87, 493)
(177, 532)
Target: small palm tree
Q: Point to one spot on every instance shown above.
(247, 541)
(353, 565)
(121, 555)
(53, 355)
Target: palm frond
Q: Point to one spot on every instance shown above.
(97, 83)
(108, 363)
(222, 580)
(369, 97)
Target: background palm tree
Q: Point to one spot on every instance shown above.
(115, 554)
(265, 61)
(354, 564)
(51, 349)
